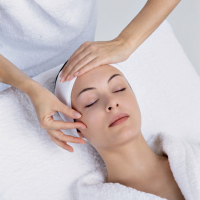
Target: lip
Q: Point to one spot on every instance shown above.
(117, 117)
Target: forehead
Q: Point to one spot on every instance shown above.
(94, 76)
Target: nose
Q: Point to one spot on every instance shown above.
(112, 104)
(109, 108)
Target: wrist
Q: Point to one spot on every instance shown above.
(126, 46)
(127, 42)
(30, 86)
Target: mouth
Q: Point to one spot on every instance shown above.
(119, 119)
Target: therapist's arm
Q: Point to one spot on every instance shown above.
(94, 54)
(12, 75)
(45, 103)
(147, 21)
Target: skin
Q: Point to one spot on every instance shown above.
(122, 147)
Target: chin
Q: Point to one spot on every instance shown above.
(124, 135)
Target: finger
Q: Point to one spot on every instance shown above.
(50, 123)
(64, 125)
(67, 138)
(75, 61)
(70, 60)
(78, 51)
(64, 145)
(91, 65)
(66, 110)
(81, 64)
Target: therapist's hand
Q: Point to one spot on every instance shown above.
(46, 104)
(93, 54)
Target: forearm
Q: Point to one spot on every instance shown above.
(12, 75)
(147, 21)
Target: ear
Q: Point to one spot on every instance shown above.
(80, 134)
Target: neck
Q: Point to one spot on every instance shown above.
(133, 162)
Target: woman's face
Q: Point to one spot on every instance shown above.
(99, 105)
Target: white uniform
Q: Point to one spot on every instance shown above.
(39, 35)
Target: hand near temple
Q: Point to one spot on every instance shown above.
(45, 103)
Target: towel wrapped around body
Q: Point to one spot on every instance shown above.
(184, 159)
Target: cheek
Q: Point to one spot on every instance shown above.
(95, 122)
(93, 115)
(134, 112)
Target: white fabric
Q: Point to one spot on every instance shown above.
(63, 93)
(41, 34)
(184, 160)
(32, 166)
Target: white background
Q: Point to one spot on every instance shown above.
(115, 15)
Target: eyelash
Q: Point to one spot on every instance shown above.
(97, 100)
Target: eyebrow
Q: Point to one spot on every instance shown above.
(92, 88)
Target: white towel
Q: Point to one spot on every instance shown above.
(184, 160)
(33, 167)
(41, 34)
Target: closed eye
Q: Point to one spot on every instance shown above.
(98, 99)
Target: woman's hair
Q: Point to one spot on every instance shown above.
(60, 70)
(56, 80)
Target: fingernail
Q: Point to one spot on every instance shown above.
(76, 114)
(76, 73)
(62, 79)
(82, 127)
(68, 77)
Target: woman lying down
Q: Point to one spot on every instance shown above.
(133, 170)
